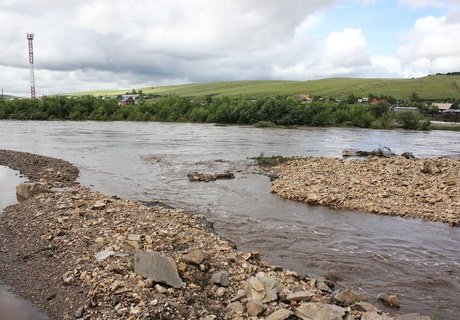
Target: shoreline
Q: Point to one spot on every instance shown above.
(70, 251)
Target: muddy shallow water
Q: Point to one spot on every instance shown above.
(12, 307)
(417, 260)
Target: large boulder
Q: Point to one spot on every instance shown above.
(159, 268)
(348, 297)
(281, 314)
(319, 311)
(29, 189)
(262, 288)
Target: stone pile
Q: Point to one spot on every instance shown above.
(424, 188)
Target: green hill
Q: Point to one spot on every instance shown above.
(430, 87)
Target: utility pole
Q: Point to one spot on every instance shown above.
(30, 38)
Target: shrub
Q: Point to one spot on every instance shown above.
(409, 120)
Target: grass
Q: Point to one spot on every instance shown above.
(271, 161)
(445, 127)
(431, 87)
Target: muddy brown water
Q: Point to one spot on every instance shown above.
(373, 254)
(11, 307)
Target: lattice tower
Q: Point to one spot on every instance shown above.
(30, 38)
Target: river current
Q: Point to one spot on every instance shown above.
(417, 260)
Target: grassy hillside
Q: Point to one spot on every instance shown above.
(8, 97)
(431, 87)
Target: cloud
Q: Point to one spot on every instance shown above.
(99, 44)
(192, 40)
(432, 45)
(347, 48)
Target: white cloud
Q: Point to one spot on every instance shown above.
(347, 48)
(342, 53)
(432, 45)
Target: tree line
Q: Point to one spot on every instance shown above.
(279, 110)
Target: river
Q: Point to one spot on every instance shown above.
(373, 254)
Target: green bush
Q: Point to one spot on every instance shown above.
(409, 120)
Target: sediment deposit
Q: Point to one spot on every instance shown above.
(423, 188)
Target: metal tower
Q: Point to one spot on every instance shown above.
(30, 37)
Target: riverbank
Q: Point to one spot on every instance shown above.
(71, 252)
(418, 188)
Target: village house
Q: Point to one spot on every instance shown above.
(129, 99)
(377, 101)
(126, 100)
(442, 106)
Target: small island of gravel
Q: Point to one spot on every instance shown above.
(423, 188)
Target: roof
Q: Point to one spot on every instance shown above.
(126, 99)
(442, 106)
(376, 101)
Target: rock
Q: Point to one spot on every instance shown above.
(300, 296)
(122, 311)
(102, 255)
(148, 239)
(348, 297)
(79, 312)
(412, 316)
(374, 315)
(157, 267)
(207, 177)
(408, 155)
(319, 311)
(220, 292)
(321, 285)
(236, 307)
(364, 306)
(134, 237)
(28, 189)
(68, 278)
(262, 288)
(79, 203)
(221, 278)
(254, 308)
(99, 205)
(390, 300)
(281, 314)
(195, 257)
(135, 311)
(429, 167)
(239, 295)
(160, 289)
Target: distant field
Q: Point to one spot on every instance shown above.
(431, 87)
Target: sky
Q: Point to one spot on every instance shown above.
(84, 45)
